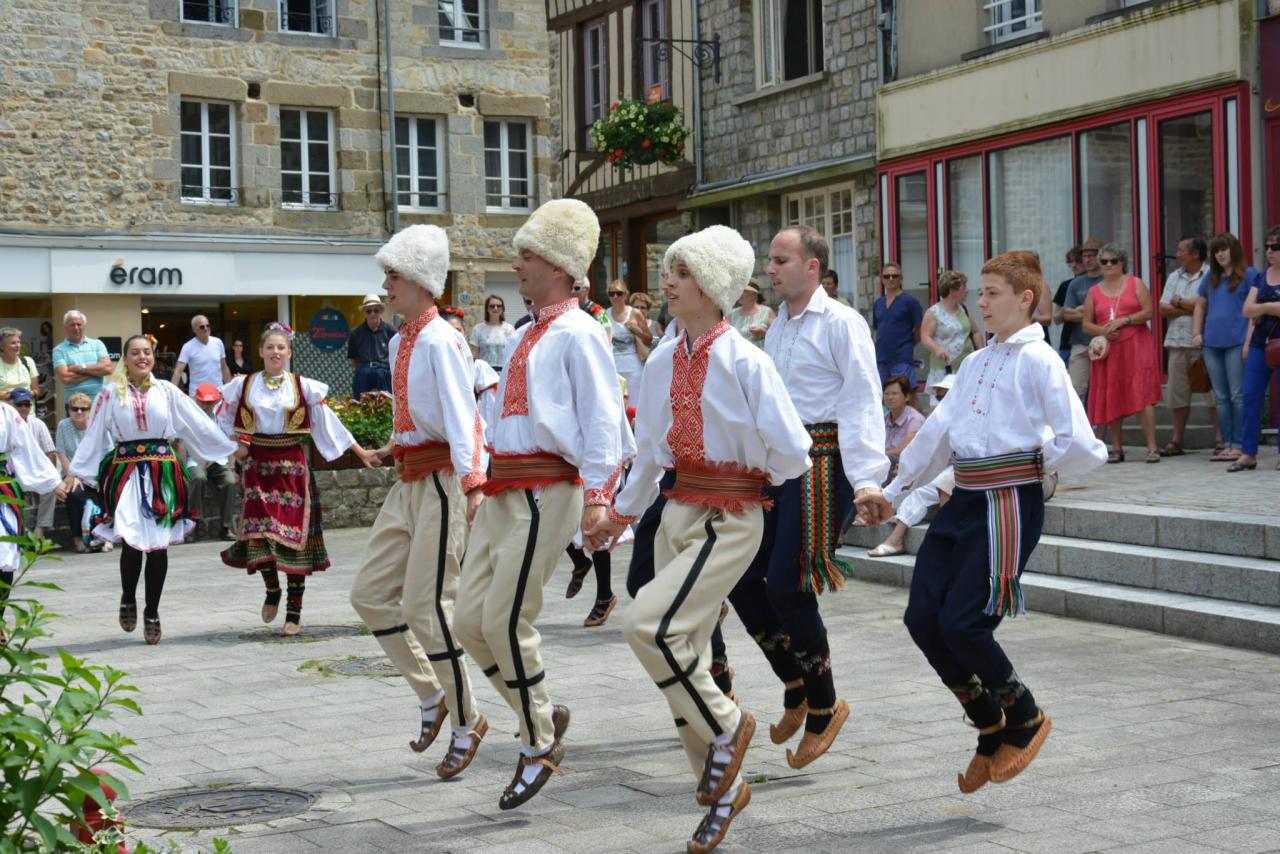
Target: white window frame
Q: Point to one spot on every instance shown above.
(305, 166)
(320, 11)
(205, 166)
(825, 223)
(768, 38)
(460, 14)
(1006, 25)
(596, 31)
(231, 7)
(655, 71)
(414, 174)
(504, 177)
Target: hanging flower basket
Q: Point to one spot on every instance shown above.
(638, 134)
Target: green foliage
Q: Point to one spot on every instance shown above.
(50, 711)
(368, 419)
(636, 133)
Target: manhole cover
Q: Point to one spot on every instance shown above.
(224, 807)
(309, 634)
(373, 666)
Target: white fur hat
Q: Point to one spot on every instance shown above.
(565, 232)
(720, 260)
(420, 253)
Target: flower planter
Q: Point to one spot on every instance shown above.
(636, 133)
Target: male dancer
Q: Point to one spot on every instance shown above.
(1012, 416)
(405, 590)
(557, 446)
(823, 351)
(712, 408)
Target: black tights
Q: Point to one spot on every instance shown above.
(6, 578)
(603, 563)
(131, 571)
(297, 587)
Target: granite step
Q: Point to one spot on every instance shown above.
(1237, 624)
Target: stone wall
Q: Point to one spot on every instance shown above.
(352, 498)
(89, 111)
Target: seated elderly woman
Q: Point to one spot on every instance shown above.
(902, 419)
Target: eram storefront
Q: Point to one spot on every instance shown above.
(155, 286)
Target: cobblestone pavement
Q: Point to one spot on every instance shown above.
(1159, 744)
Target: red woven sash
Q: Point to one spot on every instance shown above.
(528, 471)
(722, 486)
(417, 462)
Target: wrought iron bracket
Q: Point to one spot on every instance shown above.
(698, 51)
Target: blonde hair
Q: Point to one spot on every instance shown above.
(119, 379)
(619, 284)
(79, 398)
(949, 281)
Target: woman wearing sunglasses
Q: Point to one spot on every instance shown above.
(1262, 308)
(628, 325)
(1124, 377)
(490, 336)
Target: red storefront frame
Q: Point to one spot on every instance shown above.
(1213, 101)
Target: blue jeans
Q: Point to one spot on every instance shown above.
(1226, 373)
(1257, 376)
(897, 369)
(369, 378)
(1065, 353)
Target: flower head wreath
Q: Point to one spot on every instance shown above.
(283, 328)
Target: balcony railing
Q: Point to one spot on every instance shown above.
(304, 22)
(209, 11)
(1013, 19)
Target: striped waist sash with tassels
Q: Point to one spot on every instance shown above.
(10, 523)
(417, 462)
(999, 477)
(722, 486)
(819, 567)
(528, 471)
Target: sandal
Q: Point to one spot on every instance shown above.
(1010, 759)
(578, 576)
(1226, 455)
(1153, 456)
(886, 550)
(271, 605)
(600, 612)
(1115, 457)
(715, 823)
(151, 630)
(291, 628)
(718, 776)
(1173, 449)
(518, 791)
(978, 774)
(1239, 466)
(128, 617)
(456, 759)
(792, 718)
(430, 729)
(814, 744)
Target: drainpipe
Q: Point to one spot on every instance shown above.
(697, 104)
(391, 111)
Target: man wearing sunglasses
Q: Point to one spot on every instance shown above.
(368, 346)
(1073, 312)
(896, 317)
(203, 359)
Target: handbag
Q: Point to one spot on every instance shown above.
(1198, 377)
(1273, 352)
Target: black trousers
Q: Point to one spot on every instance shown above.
(951, 587)
(768, 598)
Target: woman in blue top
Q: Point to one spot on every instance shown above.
(1219, 325)
(1262, 308)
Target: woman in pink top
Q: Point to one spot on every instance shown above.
(1126, 378)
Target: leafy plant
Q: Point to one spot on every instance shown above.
(636, 133)
(50, 742)
(368, 417)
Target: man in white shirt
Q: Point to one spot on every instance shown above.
(406, 588)
(557, 457)
(204, 356)
(824, 353)
(1177, 302)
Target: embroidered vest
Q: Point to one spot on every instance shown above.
(297, 419)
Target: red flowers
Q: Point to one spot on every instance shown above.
(644, 143)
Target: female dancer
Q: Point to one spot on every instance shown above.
(274, 414)
(127, 452)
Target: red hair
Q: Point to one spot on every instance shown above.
(1020, 270)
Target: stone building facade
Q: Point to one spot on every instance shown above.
(104, 148)
(788, 136)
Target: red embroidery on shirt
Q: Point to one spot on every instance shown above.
(477, 476)
(604, 495)
(515, 399)
(688, 375)
(403, 421)
(138, 400)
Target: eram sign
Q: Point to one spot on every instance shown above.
(120, 275)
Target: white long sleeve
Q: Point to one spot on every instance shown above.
(330, 437)
(1009, 397)
(828, 364)
(270, 406)
(29, 465)
(200, 432)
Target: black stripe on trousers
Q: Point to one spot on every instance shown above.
(381, 633)
(522, 582)
(454, 654)
(680, 675)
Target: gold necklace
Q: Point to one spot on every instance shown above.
(271, 382)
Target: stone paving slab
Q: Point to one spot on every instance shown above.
(1159, 744)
